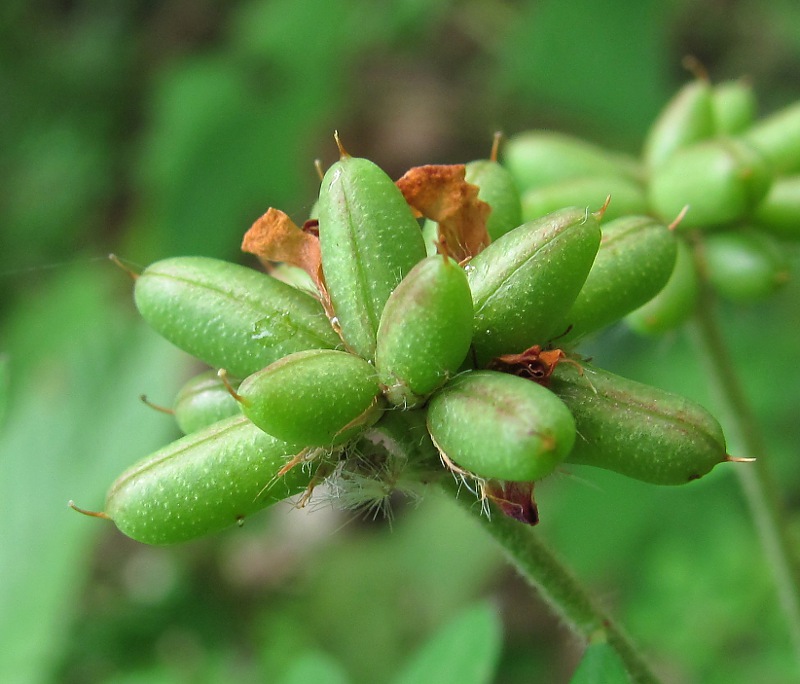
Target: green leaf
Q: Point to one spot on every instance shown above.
(600, 665)
(74, 421)
(316, 667)
(465, 651)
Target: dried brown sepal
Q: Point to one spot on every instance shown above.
(534, 363)
(441, 193)
(514, 499)
(275, 237)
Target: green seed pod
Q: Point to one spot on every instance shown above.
(430, 234)
(777, 137)
(744, 265)
(634, 262)
(523, 283)
(721, 180)
(627, 197)
(369, 240)
(425, 331)
(203, 483)
(637, 430)
(734, 107)
(203, 401)
(687, 119)
(676, 301)
(318, 397)
(499, 190)
(230, 316)
(500, 426)
(538, 158)
(779, 211)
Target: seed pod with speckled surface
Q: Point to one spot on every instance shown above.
(202, 483)
(230, 316)
(637, 430)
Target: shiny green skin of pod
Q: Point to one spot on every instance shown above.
(369, 241)
(318, 397)
(676, 301)
(627, 197)
(203, 483)
(500, 426)
(635, 260)
(720, 180)
(777, 137)
(230, 316)
(425, 331)
(524, 283)
(687, 118)
(637, 430)
(779, 211)
(735, 106)
(499, 190)
(203, 401)
(537, 158)
(745, 265)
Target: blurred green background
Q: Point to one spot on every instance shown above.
(153, 129)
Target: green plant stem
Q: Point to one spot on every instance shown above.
(756, 479)
(557, 585)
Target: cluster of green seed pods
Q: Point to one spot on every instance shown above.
(451, 302)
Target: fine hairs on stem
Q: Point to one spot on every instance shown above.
(557, 585)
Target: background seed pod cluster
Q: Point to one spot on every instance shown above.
(161, 131)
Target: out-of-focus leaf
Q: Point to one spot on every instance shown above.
(600, 665)
(4, 388)
(74, 422)
(465, 651)
(563, 57)
(315, 667)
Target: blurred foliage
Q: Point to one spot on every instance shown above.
(153, 129)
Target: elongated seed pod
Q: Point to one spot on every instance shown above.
(637, 430)
(537, 158)
(686, 119)
(319, 397)
(745, 265)
(734, 105)
(203, 483)
(499, 190)
(779, 211)
(500, 426)
(369, 240)
(627, 196)
(203, 401)
(425, 331)
(777, 137)
(228, 315)
(720, 180)
(676, 301)
(634, 262)
(524, 283)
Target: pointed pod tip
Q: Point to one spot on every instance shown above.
(222, 374)
(677, 220)
(318, 167)
(83, 511)
(738, 459)
(496, 140)
(602, 210)
(343, 153)
(118, 262)
(695, 67)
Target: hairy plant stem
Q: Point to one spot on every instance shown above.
(556, 584)
(758, 485)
